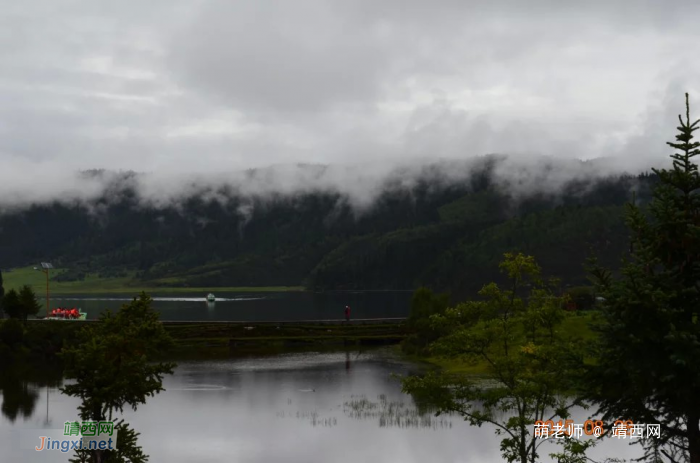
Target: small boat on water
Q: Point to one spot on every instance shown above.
(211, 297)
(63, 313)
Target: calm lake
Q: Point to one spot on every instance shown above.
(282, 306)
(342, 407)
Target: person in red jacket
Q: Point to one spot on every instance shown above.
(347, 313)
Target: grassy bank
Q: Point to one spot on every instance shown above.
(575, 327)
(93, 284)
(216, 340)
(202, 340)
(220, 340)
(205, 340)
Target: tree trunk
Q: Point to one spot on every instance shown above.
(694, 438)
(97, 454)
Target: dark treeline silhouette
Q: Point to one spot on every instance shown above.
(446, 236)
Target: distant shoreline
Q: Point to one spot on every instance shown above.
(151, 290)
(93, 284)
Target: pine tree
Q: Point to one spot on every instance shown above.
(12, 305)
(111, 365)
(648, 367)
(28, 301)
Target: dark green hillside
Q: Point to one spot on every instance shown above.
(447, 236)
(388, 261)
(561, 238)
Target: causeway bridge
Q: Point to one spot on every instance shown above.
(338, 321)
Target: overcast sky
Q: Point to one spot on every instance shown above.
(213, 86)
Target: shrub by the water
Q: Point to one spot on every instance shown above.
(424, 304)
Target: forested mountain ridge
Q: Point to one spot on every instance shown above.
(449, 236)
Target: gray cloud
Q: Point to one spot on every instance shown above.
(280, 56)
(203, 90)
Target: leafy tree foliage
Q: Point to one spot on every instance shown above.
(111, 365)
(527, 359)
(649, 350)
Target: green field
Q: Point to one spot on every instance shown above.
(92, 284)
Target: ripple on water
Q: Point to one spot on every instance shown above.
(293, 361)
(200, 387)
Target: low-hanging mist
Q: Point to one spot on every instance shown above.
(359, 184)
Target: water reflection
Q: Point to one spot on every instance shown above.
(313, 418)
(19, 387)
(18, 399)
(341, 407)
(396, 413)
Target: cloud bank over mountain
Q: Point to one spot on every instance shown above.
(194, 93)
